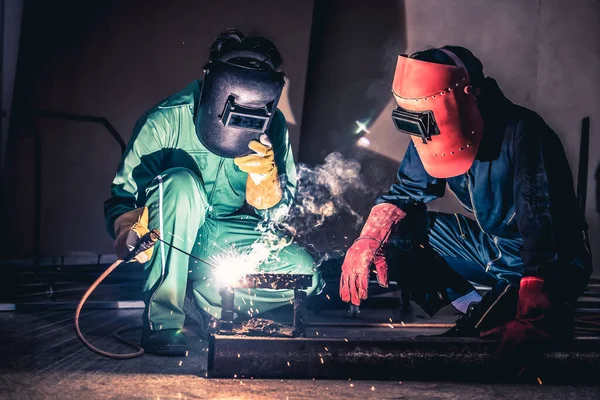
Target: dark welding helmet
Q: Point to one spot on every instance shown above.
(237, 103)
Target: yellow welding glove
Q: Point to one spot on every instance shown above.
(263, 189)
(129, 228)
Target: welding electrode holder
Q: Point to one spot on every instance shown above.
(143, 244)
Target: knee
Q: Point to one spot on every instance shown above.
(306, 264)
(182, 183)
(179, 179)
(302, 262)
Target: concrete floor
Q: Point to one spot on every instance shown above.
(99, 386)
(41, 358)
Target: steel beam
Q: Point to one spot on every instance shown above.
(421, 358)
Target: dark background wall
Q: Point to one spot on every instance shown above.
(116, 59)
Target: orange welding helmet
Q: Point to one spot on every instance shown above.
(437, 106)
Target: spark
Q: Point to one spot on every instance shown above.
(372, 388)
(232, 265)
(352, 385)
(322, 362)
(328, 298)
(363, 142)
(362, 127)
(239, 355)
(390, 320)
(235, 376)
(175, 236)
(402, 322)
(317, 333)
(391, 326)
(539, 380)
(187, 352)
(346, 340)
(288, 363)
(180, 362)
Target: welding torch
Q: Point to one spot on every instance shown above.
(144, 243)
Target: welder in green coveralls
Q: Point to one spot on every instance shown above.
(205, 167)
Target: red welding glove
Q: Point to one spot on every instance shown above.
(537, 324)
(367, 250)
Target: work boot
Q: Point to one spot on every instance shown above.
(166, 342)
(203, 324)
(465, 324)
(497, 307)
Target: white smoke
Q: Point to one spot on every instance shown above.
(325, 204)
(325, 217)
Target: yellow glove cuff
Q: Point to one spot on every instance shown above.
(266, 194)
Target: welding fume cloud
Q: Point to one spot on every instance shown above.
(323, 194)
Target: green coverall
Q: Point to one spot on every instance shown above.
(194, 197)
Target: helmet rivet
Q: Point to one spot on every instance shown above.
(451, 152)
(443, 155)
(461, 149)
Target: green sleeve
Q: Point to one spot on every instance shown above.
(140, 164)
(286, 166)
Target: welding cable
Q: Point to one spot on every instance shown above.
(144, 243)
(90, 346)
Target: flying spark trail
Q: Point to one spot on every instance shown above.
(362, 127)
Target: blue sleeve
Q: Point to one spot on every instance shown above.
(414, 185)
